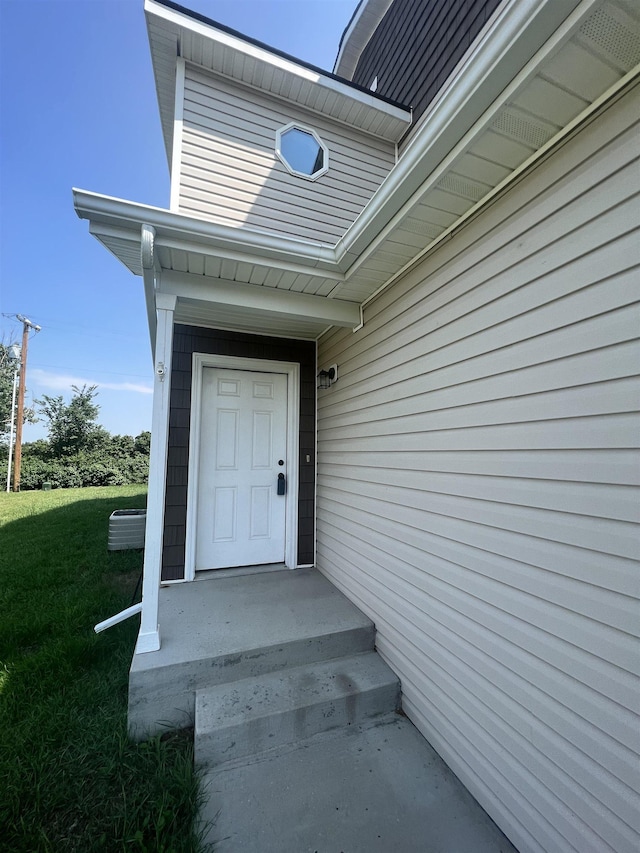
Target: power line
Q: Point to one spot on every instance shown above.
(40, 366)
(21, 319)
(102, 332)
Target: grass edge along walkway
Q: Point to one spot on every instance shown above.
(70, 778)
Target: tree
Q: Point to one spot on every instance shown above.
(6, 388)
(7, 368)
(142, 443)
(78, 451)
(72, 426)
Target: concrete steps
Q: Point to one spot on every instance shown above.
(295, 718)
(258, 662)
(163, 697)
(222, 631)
(246, 717)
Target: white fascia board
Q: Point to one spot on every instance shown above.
(282, 303)
(517, 29)
(358, 34)
(248, 243)
(288, 66)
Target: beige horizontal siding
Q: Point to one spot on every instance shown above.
(229, 172)
(478, 497)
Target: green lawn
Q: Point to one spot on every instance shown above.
(69, 778)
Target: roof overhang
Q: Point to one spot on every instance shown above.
(174, 31)
(363, 24)
(200, 262)
(496, 117)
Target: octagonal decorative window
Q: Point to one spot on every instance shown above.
(302, 151)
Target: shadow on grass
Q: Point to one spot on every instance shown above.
(70, 777)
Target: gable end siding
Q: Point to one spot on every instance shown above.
(478, 494)
(186, 341)
(229, 172)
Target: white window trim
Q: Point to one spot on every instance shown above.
(292, 370)
(283, 159)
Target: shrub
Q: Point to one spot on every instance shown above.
(35, 472)
(111, 464)
(78, 451)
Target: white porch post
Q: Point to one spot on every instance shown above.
(149, 636)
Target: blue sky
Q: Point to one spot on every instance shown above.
(78, 108)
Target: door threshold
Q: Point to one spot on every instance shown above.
(238, 571)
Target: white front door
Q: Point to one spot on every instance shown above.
(243, 446)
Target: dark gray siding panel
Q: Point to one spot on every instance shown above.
(417, 46)
(186, 341)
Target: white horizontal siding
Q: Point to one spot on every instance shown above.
(478, 475)
(229, 172)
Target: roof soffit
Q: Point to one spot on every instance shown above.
(592, 59)
(438, 172)
(484, 95)
(172, 33)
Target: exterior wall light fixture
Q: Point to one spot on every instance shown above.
(326, 378)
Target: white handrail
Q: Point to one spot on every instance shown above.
(119, 617)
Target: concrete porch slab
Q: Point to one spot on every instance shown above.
(370, 789)
(238, 626)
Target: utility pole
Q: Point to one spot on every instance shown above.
(17, 459)
(14, 350)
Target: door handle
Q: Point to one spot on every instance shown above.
(282, 484)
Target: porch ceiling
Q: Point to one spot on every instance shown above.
(459, 158)
(233, 305)
(251, 322)
(223, 279)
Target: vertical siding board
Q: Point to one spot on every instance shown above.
(443, 29)
(477, 493)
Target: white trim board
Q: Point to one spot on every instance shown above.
(149, 634)
(356, 36)
(178, 124)
(292, 370)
